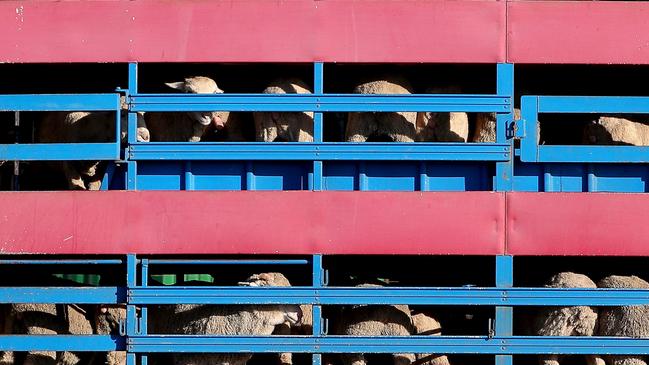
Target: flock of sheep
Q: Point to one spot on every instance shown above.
(357, 320)
(298, 126)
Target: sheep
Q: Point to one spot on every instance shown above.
(616, 131)
(375, 320)
(107, 322)
(220, 320)
(398, 127)
(485, 127)
(304, 328)
(285, 126)
(186, 126)
(88, 127)
(51, 319)
(442, 127)
(428, 326)
(627, 321)
(567, 321)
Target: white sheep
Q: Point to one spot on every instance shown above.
(87, 127)
(428, 326)
(617, 131)
(285, 126)
(375, 320)
(244, 320)
(442, 127)
(624, 321)
(305, 327)
(398, 127)
(186, 126)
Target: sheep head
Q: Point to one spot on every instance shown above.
(201, 85)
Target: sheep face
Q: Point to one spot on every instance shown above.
(292, 314)
(200, 85)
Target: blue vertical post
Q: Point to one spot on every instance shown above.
(317, 309)
(505, 87)
(132, 89)
(250, 176)
(318, 129)
(131, 166)
(504, 315)
(131, 314)
(131, 175)
(144, 280)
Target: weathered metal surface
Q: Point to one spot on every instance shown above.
(252, 31)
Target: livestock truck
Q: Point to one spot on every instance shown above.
(466, 230)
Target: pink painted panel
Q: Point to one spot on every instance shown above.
(577, 224)
(589, 32)
(252, 31)
(119, 222)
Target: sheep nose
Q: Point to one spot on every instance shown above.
(218, 122)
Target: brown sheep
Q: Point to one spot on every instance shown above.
(285, 126)
(617, 131)
(567, 321)
(375, 320)
(485, 127)
(88, 127)
(186, 126)
(428, 326)
(51, 319)
(442, 127)
(624, 321)
(399, 127)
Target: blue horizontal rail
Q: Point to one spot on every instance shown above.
(592, 104)
(601, 154)
(62, 343)
(320, 103)
(62, 262)
(225, 262)
(60, 151)
(321, 151)
(394, 295)
(405, 344)
(78, 295)
(60, 102)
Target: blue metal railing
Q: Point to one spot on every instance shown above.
(62, 151)
(138, 342)
(532, 106)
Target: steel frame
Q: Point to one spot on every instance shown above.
(140, 294)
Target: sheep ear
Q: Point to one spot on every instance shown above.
(176, 85)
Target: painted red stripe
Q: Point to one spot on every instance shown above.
(252, 31)
(598, 32)
(577, 224)
(119, 222)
